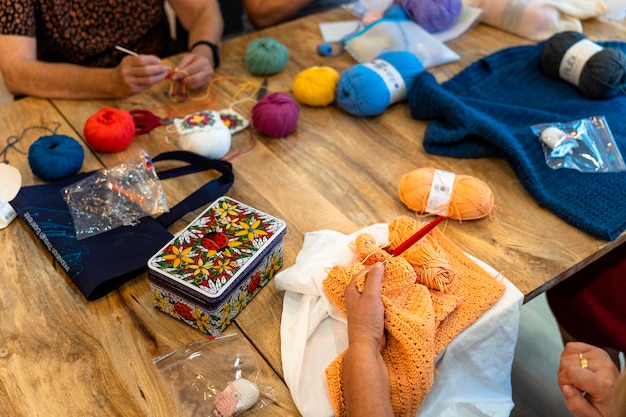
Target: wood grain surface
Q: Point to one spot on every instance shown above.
(63, 356)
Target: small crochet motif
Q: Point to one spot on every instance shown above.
(421, 316)
(237, 397)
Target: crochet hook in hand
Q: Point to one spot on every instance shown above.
(417, 236)
(409, 242)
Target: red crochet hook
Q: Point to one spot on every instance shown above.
(410, 241)
(417, 236)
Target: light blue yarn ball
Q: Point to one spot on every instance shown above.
(361, 91)
(266, 56)
(395, 11)
(55, 157)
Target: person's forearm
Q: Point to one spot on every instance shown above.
(58, 80)
(366, 383)
(264, 13)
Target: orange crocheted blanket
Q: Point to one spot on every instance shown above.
(431, 293)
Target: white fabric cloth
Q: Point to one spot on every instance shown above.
(473, 375)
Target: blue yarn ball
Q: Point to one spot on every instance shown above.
(55, 157)
(395, 11)
(363, 92)
(265, 56)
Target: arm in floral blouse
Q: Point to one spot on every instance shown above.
(48, 48)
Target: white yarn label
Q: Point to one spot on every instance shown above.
(7, 213)
(575, 58)
(440, 192)
(392, 78)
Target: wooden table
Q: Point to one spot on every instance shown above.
(63, 356)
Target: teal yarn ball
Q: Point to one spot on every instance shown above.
(55, 157)
(266, 56)
(368, 89)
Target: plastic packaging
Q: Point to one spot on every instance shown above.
(214, 377)
(586, 145)
(398, 35)
(115, 197)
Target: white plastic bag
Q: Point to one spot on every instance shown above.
(398, 35)
(537, 19)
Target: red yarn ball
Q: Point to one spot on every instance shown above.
(276, 115)
(110, 130)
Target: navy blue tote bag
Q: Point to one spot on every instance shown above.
(99, 264)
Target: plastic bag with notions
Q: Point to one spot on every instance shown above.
(586, 145)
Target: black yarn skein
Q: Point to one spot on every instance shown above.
(602, 76)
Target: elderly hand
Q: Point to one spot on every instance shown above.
(194, 70)
(588, 382)
(365, 311)
(136, 74)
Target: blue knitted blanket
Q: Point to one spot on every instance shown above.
(487, 110)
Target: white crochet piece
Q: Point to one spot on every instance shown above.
(236, 398)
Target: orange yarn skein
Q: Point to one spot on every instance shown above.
(470, 198)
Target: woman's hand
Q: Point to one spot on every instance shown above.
(136, 74)
(588, 382)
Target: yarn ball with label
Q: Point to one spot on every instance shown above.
(55, 157)
(368, 89)
(109, 130)
(316, 86)
(433, 15)
(265, 56)
(597, 72)
(275, 115)
(470, 198)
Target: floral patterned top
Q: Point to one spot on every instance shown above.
(85, 32)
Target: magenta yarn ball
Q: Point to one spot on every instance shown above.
(276, 115)
(433, 15)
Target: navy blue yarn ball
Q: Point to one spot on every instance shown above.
(55, 157)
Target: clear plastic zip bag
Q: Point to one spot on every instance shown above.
(216, 377)
(586, 145)
(115, 197)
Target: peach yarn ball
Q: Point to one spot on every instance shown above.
(471, 198)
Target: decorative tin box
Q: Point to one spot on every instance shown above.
(212, 269)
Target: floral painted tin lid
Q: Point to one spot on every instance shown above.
(217, 250)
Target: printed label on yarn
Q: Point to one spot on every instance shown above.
(7, 213)
(440, 192)
(392, 78)
(575, 58)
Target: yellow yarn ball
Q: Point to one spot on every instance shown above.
(316, 86)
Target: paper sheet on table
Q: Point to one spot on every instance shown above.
(473, 372)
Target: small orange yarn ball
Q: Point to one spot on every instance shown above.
(470, 197)
(109, 130)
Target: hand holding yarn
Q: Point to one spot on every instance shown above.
(368, 89)
(597, 72)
